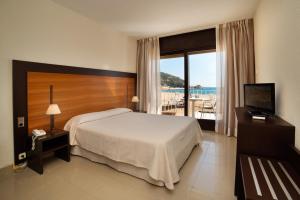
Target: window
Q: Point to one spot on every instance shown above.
(201, 89)
(172, 85)
(202, 85)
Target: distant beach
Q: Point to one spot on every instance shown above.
(175, 95)
(173, 99)
(202, 90)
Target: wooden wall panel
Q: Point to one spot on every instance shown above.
(75, 94)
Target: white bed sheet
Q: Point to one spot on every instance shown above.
(157, 143)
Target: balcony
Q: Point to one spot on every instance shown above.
(202, 103)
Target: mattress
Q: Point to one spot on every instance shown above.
(157, 143)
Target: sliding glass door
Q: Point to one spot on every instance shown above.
(172, 85)
(202, 85)
(188, 86)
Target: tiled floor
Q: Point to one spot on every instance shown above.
(208, 174)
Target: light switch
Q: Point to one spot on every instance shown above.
(21, 122)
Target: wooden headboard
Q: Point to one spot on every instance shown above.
(75, 94)
(76, 90)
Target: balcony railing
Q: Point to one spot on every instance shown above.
(201, 105)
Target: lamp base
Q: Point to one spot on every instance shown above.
(54, 131)
(134, 107)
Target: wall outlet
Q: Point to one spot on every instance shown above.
(22, 156)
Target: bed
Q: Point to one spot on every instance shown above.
(150, 147)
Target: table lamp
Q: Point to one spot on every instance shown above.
(52, 110)
(135, 100)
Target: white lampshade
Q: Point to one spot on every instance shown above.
(135, 99)
(53, 109)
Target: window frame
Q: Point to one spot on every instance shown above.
(186, 44)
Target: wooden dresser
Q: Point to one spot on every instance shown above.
(269, 138)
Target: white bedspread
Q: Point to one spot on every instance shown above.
(154, 142)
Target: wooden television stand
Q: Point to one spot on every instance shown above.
(267, 138)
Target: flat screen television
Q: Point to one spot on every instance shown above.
(260, 98)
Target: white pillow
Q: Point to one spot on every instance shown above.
(79, 119)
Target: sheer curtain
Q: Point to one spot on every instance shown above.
(148, 75)
(235, 66)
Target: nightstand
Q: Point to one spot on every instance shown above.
(56, 142)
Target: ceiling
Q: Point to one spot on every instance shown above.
(142, 18)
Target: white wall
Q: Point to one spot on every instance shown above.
(277, 55)
(43, 31)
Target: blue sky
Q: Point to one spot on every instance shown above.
(202, 68)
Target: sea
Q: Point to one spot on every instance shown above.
(203, 90)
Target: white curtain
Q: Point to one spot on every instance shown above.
(235, 67)
(148, 75)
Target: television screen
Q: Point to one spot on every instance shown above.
(260, 97)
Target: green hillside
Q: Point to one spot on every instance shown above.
(170, 80)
